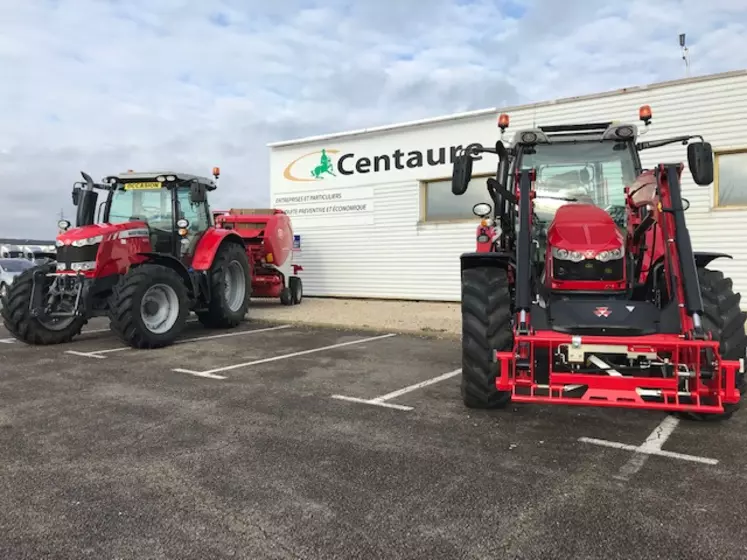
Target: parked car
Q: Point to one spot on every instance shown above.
(9, 269)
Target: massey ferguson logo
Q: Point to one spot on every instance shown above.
(602, 312)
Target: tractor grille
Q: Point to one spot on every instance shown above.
(68, 254)
(588, 270)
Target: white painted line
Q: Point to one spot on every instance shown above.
(7, 340)
(381, 401)
(376, 403)
(92, 331)
(285, 356)
(400, 392)
(652, 446)
(84, 354)
(204, 374)
(97, 353)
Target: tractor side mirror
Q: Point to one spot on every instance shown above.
(197, 193)
(76, 195)
(461, 174)
(700, 161)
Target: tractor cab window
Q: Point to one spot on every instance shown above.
(195, 213)
(152, 206)
(593, 173)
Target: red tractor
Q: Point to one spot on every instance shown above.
(584, 288)
(153, 256)
(268, 236)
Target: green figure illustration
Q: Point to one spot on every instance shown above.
(325, 166)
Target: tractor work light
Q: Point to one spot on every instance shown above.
(564, 255)
(182, 223)
(63, 225)
(624, 131)
(171, 178)
(161, 178)
(503, 121)
(644, 113)
(529, 138)
(612, 255)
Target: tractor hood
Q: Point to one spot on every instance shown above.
(97, 230)
(584, 227)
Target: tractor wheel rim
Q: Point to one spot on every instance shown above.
(235, 286)
(159, 308)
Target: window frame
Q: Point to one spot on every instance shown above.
(424, 185)
(716, 155)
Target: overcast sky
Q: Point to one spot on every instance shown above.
(107, 85)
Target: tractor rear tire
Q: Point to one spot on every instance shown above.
(17, 315)
(230, 289)
(486, 326)
(131, 306)
(724, 318)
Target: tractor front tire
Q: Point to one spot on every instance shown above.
(149, 306)
(22, 325)
(486, 327)
(726, 321)
(230, 289)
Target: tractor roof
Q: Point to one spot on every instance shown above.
(587, 132)
(134, 176)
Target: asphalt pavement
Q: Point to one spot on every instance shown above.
(276, 441)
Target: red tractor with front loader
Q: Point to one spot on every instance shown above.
(145, 257)
(584, 288)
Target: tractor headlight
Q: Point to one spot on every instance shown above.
(87, 241)
(612, 255)
(564, 255)
(63, 225)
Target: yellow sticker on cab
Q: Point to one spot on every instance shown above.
(142, 186)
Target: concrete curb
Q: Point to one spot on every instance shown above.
(410, 331)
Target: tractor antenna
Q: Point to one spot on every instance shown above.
(685, 54)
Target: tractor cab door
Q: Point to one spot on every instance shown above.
(196, 213)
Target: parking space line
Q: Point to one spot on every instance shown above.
(282, 356)
(98, 353)
(652, 446)
(381, 401)
(7, 340)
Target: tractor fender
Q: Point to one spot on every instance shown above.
(497, 259)
(212, 240)
(703, 258)
(172, 262)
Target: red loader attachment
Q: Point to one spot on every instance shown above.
(268, 238)
(579, 294)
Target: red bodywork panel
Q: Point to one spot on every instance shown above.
(268, 238)
(118, 249)
(589, 230)
(207, 247)
(584, 228)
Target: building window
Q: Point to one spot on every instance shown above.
(441, 205)
(730, 178)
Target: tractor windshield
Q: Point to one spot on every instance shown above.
(151, 205)
(589, 172)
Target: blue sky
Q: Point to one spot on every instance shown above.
(107, 85)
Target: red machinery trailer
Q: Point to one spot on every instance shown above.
(268, 237)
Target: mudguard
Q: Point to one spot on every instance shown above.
(498, 259)
(208, 245)
(703, 258)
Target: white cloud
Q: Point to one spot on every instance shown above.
(109, 85)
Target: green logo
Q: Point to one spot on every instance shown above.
(325, 166)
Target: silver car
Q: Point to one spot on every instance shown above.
(9, 269)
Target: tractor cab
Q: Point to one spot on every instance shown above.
(172, 206)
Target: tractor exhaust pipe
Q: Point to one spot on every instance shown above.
(86, 202)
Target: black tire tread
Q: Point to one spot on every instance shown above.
(724, 318)
(217, 315)
(486, 326)
(123, 307)
(17, 317)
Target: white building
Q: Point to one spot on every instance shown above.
(377, 218)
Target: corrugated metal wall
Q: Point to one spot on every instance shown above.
(396, 256)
